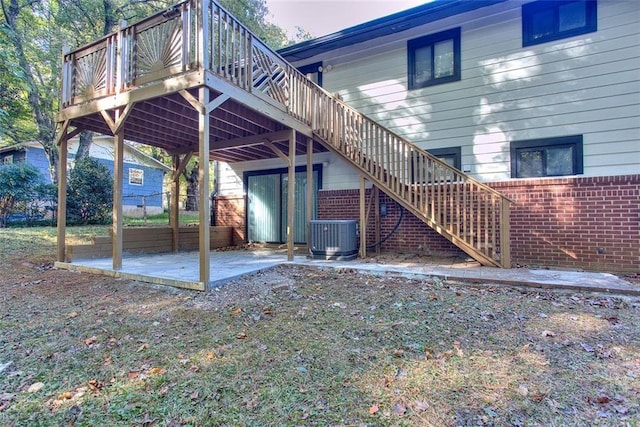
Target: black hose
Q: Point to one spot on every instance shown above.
(395, 228)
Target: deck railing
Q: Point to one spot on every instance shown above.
(200, 34)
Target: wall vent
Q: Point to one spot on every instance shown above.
(334, 239)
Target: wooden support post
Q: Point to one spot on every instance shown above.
(363, 219)
(291, 190)
(174, 209)
(310, 191)
(376, 207)
(118, 165)
(505, 234)
(62, 196)
(203, 174)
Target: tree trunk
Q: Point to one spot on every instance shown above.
(41, 106)
(191, 203)
(84, 144)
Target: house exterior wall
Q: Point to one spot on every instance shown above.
(584, 85)
(102, 150)
(581, 85)
(587, 223)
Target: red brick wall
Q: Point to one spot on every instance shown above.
(229, 211)
(413, 235)
(587, 223)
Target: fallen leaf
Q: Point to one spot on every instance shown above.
(433, 297)
(399, 409)
(587, 348)
(73, 314)
(374, 409)
(398, 352)
(132, 374)
(267, 311)
(95, 385)
(537, 397)
(90, 340)
(65, 396)
(236, 310)
(195, 395)
(211, 355)
(241, 336)
(420, 406)
(35, 387)
(142, 347)
(603, 399)
(546, 333)
(4, 397)
(523, 391)
(154, 371)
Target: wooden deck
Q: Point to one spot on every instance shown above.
(193, 80)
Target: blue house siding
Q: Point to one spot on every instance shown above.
(37, 157)
(132, 194)
(151, 185)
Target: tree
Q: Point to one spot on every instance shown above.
(32, 34)
(89, 192)
(18, 185)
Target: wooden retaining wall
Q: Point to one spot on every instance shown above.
(149, 240)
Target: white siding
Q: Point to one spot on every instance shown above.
(336, 174)
(589, 85)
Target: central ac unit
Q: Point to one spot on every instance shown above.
(334, 239)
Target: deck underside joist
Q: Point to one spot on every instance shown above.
(169, 121)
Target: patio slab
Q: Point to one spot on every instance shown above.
(182, 270)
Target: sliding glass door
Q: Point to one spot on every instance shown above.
(267, 204)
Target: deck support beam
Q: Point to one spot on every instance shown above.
(376, 207)
(203, 179)
(118, 165)
(310, 191)
(62, 191)
(363, 218)
(291, 192)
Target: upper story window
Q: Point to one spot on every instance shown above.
(450, 155)
(544, 21)
(434, 59)
(136, 176)
(547, 157)
(313, 72)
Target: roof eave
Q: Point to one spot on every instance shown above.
(380, 27)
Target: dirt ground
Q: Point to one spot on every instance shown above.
(305, 346)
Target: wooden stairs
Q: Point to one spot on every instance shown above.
(471, 215)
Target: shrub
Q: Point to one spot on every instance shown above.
(18, 187)
(89, 193)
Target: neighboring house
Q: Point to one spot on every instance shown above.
(143, 175)
(540, 100)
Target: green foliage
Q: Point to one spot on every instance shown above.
(90, 193)
(18, 186)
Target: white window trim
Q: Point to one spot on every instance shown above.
(136, 171)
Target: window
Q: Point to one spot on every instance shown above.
(8, 160)
(136, 176)
(546, 157)
(313, 72)
(450, 155)
(544, 21)
(434, 59)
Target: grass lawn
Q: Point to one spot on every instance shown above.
(298, 346)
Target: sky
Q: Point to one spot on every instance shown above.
(322, 17)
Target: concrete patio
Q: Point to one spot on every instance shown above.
(181, 269)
